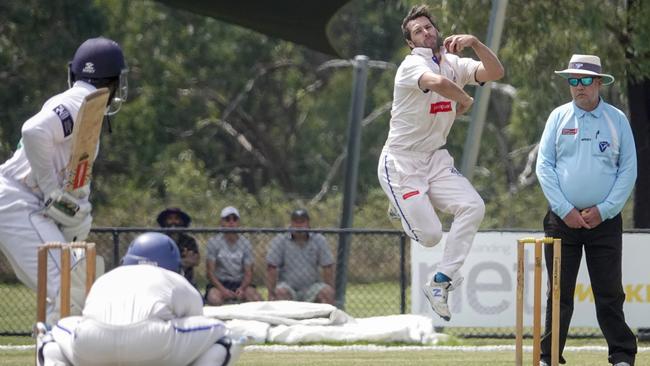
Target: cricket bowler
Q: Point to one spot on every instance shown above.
(35, 205)
(415, 171)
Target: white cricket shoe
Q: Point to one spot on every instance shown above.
(437, 293)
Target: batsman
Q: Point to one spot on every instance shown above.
(45, 185)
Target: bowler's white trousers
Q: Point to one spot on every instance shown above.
(419, 183)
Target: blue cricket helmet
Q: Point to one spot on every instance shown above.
(100, 61)
(156, 249)
(98, 58)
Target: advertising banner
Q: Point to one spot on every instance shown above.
(486, 297)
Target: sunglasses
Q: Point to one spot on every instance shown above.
(586, 81)
(231, 218)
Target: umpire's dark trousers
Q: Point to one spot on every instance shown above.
(603, 252)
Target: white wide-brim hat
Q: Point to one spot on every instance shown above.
(585, 65)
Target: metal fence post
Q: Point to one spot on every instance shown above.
(402, 273)
(116, 248)
(351, 172)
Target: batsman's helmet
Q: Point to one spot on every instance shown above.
(154, 248)
(100, 62)
(98, 58)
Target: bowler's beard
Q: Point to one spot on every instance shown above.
(439, 42)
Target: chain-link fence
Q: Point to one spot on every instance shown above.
(376, 280)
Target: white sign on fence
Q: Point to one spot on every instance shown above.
(487, 296)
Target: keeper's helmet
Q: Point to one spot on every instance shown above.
(156, 249)
(100, 62)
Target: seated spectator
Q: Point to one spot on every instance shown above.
(175, 217)
(294, 263)
(229, 264)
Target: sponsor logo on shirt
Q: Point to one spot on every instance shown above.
(410, 194)
(569, 131)
(603, 145)
(66, 119)
(455, 171)
(440, 107)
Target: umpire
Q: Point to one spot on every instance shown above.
(586, 166)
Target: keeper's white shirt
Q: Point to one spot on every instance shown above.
(131, 294)
(140, 315)
(43, 153)
(421, 120)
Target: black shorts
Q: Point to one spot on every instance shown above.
(230, 285)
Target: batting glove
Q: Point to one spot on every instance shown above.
(77, 232)
(66, 209)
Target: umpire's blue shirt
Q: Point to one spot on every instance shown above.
(587, 159)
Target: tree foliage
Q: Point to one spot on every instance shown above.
(218, 114)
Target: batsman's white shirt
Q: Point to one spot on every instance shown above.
(35, 169)
(139, 315)
(415, 173)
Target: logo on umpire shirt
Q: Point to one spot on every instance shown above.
(603, 145)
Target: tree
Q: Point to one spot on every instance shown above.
(218, 113)
(637, 53)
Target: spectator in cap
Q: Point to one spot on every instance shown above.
(229, 264)
(295, 262)
(174, 217)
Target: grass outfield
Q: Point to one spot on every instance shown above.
(260, 356)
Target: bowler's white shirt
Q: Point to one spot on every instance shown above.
(421, 120)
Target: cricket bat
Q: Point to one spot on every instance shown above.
(85, 138)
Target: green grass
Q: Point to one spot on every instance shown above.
(18, 307)
(356, 358)
(362, 300)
